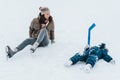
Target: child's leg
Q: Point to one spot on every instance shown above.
(92, 60)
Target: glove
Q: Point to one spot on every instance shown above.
(112, 61)
(68, 63)
(52, 41)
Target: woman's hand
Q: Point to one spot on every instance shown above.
(43, 25)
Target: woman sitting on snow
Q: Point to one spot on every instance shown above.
(41, 30)
(90, 56)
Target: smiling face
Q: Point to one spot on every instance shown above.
(47, 15)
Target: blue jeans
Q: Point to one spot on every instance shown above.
(42, 39)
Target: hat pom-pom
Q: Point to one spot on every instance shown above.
(40, 8)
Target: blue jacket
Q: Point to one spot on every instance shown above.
(95, 52)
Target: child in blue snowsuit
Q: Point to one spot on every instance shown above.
(92, 55)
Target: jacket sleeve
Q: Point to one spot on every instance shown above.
(106, 57)
(75, 58)
(31, 29)
(52, 35)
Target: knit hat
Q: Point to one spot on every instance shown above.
(44, 10)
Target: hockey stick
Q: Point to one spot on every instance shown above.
(89, 32)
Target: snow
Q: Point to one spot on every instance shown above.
(72, 19)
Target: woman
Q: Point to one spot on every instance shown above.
(41, 30)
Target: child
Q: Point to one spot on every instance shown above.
(90, 56)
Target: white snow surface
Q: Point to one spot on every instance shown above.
(72, 20)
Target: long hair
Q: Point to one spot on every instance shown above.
(42, 19)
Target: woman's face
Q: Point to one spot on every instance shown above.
(47, 15)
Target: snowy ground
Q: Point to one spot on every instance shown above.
(72, 19)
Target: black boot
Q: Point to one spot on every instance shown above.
(9, 52)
